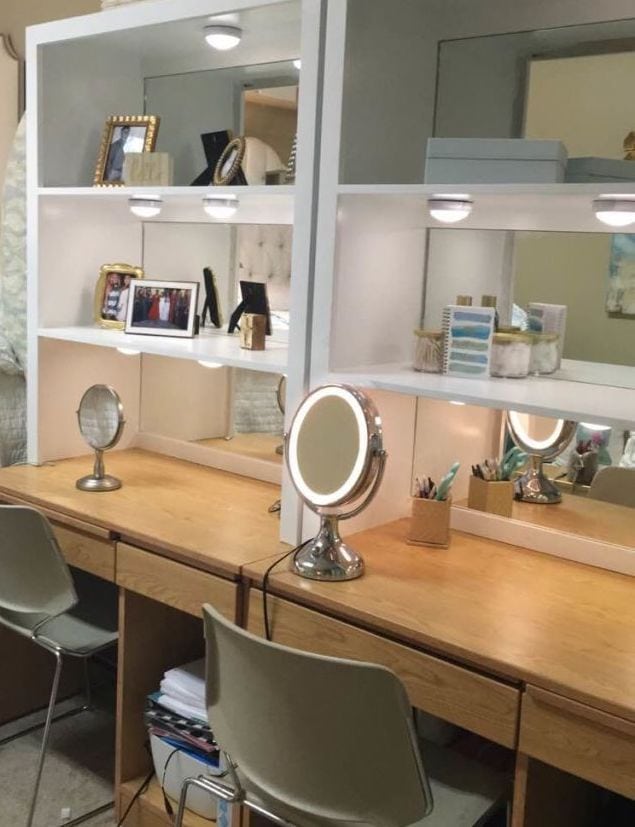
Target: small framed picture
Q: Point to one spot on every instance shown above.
(228, 169)
(110, 307)
(162, 308)
(123, 134)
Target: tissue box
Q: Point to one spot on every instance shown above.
(183, 765)
(494, 161)
(598, 170)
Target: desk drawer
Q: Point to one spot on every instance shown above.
(579, 739)
(85, 552)
(466, 698)
(175, 584)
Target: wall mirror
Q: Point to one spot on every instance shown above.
(472, 434)
(258, 101)
(566, 83)
(587, 272)
(335, 456)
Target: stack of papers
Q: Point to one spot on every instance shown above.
(182, 690)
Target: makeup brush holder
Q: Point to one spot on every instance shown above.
(496, 497)
(430, 523)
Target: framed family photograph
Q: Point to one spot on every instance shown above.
(162, 308)
(112, 293)
(123, 134)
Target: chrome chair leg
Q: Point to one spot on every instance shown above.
(45, 737)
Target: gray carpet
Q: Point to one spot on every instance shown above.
(78, 773)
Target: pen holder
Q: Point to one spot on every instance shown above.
(430, 523)
(496, 497)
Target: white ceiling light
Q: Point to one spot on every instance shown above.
(220, 208)
(449, 210)
(128, 351)
(210, 365)
(145, 206)
(456, 402)
(223, 38)
(616, 212)
(297, 63)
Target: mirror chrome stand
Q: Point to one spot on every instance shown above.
(98, 480)
(534, 487)
(326, 556)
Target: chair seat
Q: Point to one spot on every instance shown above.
(89, 626)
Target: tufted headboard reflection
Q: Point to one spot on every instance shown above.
(264, 254)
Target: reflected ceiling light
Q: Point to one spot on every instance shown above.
(128, 351)
(297, 63)
(592, 426)
(448, 209)
(223, 38)
(145, 206)
(456, 402)
(210, 365)
(221, 208)
(616, 212)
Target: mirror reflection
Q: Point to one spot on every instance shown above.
(258, 101)
(581, 273)
(100, 417)
(566, 84)
(594, 474)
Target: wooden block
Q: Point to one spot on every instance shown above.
(253, 327)
(148, 169)
(430, 523)
(493, 497)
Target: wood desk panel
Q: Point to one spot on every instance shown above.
(85, 552)
(207, 518)
(174, 584)
(579, 739)
(511, 612)
(458, 695)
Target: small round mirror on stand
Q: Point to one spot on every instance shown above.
(334, 452)
(101, 422)
(533, 486)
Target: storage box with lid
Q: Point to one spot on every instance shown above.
(494, 161)
(599, 171)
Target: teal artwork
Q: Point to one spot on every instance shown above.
(620, 298)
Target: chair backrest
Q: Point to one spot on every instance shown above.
(34, 579)
(321, 740)
(614, 485)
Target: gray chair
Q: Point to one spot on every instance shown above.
(315, 741)
(614, 485)
(40, 600)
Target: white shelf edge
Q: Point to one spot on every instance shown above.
(279, 190)
(545, 396)
(213, 347)
(575, 190)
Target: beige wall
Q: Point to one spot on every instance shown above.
(588, 103)
(16, 15)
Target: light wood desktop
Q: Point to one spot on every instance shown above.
(529, 651)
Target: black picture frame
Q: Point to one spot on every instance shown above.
(254, 300)
(211, 305)
(214, 144)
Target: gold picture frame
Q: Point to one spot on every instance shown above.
(229, 163)
(120, 130)
(101, 309)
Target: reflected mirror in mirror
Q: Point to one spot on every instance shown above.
(335, 457)
(582, 271)
(257, 101)
(566, 83)
(596, 455)
(101, 422)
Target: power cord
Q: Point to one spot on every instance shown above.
(140, 791)
(265, 583)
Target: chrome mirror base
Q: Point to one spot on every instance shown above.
(92, 483)
(327, 557)
(534, 487)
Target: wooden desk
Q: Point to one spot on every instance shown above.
(560, 633)
(174, 536)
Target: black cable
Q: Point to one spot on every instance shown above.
(265, 581)
(166, 801)
(139, 792)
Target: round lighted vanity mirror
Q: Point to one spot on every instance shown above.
(101, 422)
(533, 486)
(335, 457)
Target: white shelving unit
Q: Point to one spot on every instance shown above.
(81, 71)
